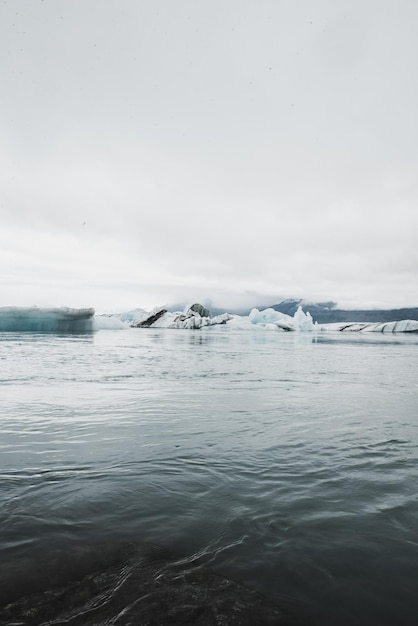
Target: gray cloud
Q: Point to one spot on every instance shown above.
(163, 151)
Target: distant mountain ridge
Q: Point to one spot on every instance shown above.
(326, 313)
(322, 312)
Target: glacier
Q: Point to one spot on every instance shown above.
(34, 319)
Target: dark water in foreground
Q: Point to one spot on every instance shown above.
(141, 468)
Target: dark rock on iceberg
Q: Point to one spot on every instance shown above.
(149, 321)
(197, 308)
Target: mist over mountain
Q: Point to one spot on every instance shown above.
(215, 310)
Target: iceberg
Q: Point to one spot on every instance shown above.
(281, 321)
(109, 322)
(133, 315)
(192, 317)
(196, 316)
(34, 319)
(402, 326)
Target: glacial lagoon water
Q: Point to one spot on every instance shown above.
(287, 462)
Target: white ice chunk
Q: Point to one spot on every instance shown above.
(135, 315)
(267, 317)
(109, 322)
(239, 322)
(166, 320)
(303, 321)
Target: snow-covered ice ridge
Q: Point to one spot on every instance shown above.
(196, 316)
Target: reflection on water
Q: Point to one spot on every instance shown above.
(285, 461)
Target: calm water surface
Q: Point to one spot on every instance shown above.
(287, 461)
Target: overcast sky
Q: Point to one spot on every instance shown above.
(237, 151)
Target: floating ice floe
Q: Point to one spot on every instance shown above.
(34, 319)
(402, 326)
(109, 322)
